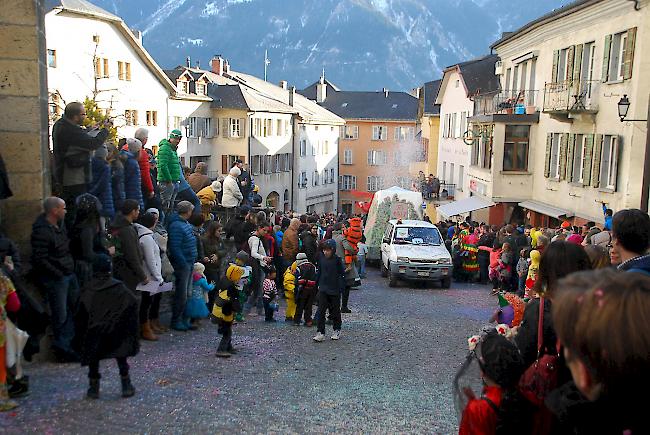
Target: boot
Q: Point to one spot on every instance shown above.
(157, 327)
(147, 333)
(128, 390)
(93, 388)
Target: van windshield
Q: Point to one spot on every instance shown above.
(416, 236)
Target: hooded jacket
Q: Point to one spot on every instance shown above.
(290, 241)
(331, 275)
(199, 178)
(168, 167)
(50, 250)
(132, 179)
(309, 246)
(181, 247)
(232, 196)
(127, 262)
(145, 173)
(117, 183)
(100, 186)
(208, 198)
(152, 262)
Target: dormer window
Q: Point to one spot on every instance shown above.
(200, 89)
(183, 86)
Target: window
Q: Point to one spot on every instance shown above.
(326, 148)
(101, 68)
(51, 58)
(255, 165)
(619, 55)
(152, 117)
(444, 171)
(176, 122)
(105, 75)
(315, 178)
(332, 175)
(482, 151)
(303, 147)
(347, 157)
(279, 129)
(403, 182)
(302, 181)
(205, 127)
(268, 164)
(451, 172)
(348, 182)
(377, 157)
(609, 162)
(128, 71)
(579, 158)
(461, 177)
(379, 132)
(375, 183)
(453, 132)
(196, 159)
(515, 148)
(404, 133)
(121, 73)
(201, 89)
(314, 148)
(192, 130)
(235, 127)
(183, 86)
(555, 156)
(276, 163)
(457, 83)
(131, 117)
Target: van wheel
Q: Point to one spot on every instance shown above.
(384, 271)
(446, 283)
(392, 279)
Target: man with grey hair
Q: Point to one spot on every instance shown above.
(132, 176)
(142, 134)
(52, 259)
(182, 252)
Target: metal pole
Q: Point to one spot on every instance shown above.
(645, 184)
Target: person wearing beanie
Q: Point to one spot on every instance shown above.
(100, 186)
(169, 170)
(208, 198)
(226, 305)
(232, 196)
(331, 282)
(305, 290)
(107, 325)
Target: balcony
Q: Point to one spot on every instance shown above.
(571, 98)
(447, 192)
(506, 106)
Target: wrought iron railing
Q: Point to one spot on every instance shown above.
(571, 96)
(506, 102)
(447, 191)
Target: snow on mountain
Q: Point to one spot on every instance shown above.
(362, 44)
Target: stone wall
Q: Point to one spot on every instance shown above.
(23, 114)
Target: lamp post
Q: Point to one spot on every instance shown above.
(623, 107)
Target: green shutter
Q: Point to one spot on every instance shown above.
(563, 146)
(569, 156)
(547, 159)
(556, 60)
(569, 63)
(595, 167)
(629, 53)
(608, 46)
(577, 67)
(586, 170)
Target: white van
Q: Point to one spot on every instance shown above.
(414, 250)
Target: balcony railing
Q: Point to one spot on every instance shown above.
(447, 192)
(571, 96)
(506, 102)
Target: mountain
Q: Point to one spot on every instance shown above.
(362, 44)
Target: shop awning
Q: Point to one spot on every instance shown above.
(545, 209)
(464, 206)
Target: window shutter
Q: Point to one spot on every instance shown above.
(586, 170)
(619, 153)
(597, 154)
(608, 46)
(563, 155)
(370, 157)
(570, 156)
(577, 67)
(342, 132)
(629, 53)
(556, 60)
(224, 165)
(570, 56)
(242, 127)
(547, 159)
(225, 127)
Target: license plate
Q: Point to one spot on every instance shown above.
(423, 273)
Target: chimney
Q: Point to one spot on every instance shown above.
(198, 64)
(416, 92)
(138, 35)
(385, 91)
(217, 65)
(283, 84)
(321, 90)
(188, 62)
(226, 67)
(292, 95)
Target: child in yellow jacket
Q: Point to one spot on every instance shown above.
(289, 282)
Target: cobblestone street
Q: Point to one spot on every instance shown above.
(391, 372)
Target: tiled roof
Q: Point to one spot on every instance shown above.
(478, 75)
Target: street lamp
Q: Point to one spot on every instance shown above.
(623, 107)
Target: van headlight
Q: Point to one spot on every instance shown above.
(444, 261)
(403, 259)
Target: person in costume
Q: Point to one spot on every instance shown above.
(469, 253)
(289, 283)
(531, 277)
(241, 259)
(305, 295)
(510, 311)
(226, 304)
(196, 307)
(9, 302)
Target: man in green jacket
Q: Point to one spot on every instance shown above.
(169, 170)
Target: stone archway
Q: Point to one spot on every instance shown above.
(273, 199)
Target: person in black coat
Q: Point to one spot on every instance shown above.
(107, 324)
(309, 239)
(128, 257)
(88, 237)
(331, 282)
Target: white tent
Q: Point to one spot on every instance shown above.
(463, 206)
(391, 203)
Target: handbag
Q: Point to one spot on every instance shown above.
(541, 377)
(15, 343)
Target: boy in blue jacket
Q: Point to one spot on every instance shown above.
(331, 281)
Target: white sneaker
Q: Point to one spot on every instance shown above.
(336, 335)
(319, 337)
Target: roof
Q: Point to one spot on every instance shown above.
(310, 91)
(81, 7)
(85, 8)
(477, 75)
(368, 105)
(227, 97)
(553, 15)
(430, 90)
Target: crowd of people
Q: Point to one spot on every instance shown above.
(128, 226)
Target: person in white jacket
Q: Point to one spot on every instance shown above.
(259, 260)
(232, 196)
(152, 265)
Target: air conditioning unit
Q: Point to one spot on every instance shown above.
(498, 68)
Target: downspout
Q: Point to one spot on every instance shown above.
(293, 161)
